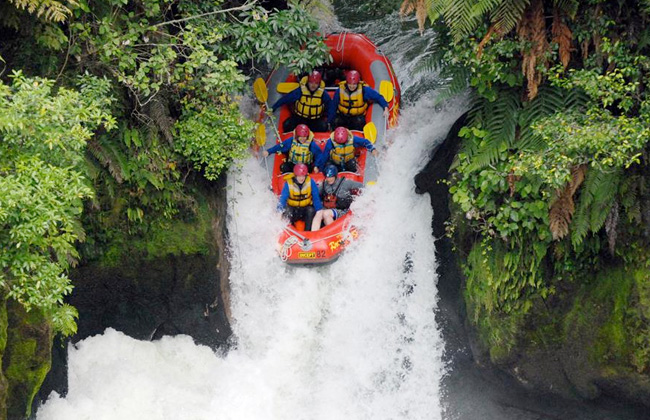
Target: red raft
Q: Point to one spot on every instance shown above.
(349, 51)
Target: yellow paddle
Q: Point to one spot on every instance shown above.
(286, 87)
(370, 132)
(387, 90)
(262, 95)
(260, 134)
(261, 92)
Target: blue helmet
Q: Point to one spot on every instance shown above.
(331, 170)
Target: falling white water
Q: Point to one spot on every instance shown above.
(353, 340)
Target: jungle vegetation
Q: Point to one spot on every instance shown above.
(550, 185)
(111, 112)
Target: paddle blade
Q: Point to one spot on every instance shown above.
(286, 87)
(261, 92)
(387, 90)
(370, 132)
(260, 135)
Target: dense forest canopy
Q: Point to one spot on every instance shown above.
(108, 110)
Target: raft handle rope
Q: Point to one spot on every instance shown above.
(285, 252)
(340, 45)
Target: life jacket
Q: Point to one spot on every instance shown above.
(342, 153)
(299, 152)
(329, 199)
(299, 195)
(310, 105)
(351, 103)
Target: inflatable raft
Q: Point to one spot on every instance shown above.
(349, 51)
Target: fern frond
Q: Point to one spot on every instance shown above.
(629, 193)
(562, 209)
(568, 7)
(548, 101)
(508, 14)
(532, 29)
(596, 199)
(457, 84)
(563, 37)
(110, 158)
(487, 153)
(52, 10)
(501, 116)
(460, 17)
(576, 98)
(603, 200)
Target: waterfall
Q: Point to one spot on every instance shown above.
(355, 339)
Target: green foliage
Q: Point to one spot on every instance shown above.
(42, 135)
(522, 162)
(499, 293)
(196, 52)
(597, 196)
(213, 138)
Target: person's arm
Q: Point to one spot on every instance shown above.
(369, 94)
(284, 196)
(290, 97)
(361, 142)
(315, 196)
(316, 151)
(283, 147)
(322, 157)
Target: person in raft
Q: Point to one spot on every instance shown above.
(299, 198)
(336, 195)
(300, 148)
(311, 103)
(340, 150)
(350, 102)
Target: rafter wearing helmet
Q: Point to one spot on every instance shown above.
(340, 150)
(299, 148)
(310, 104)
(351, 101)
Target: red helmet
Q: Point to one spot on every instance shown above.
(301, 130)
(314, 77)
(341, 135)
(300, 169)
(353, 77)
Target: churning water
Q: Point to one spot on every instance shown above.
(353, 340)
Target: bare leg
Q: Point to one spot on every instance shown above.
(328, 216)
(315, 225)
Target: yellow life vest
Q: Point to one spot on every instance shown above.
(299, 152)
(299, 195)
(351, 103)
(342, 153)
(310, 105)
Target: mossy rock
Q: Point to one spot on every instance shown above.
(27, 357)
